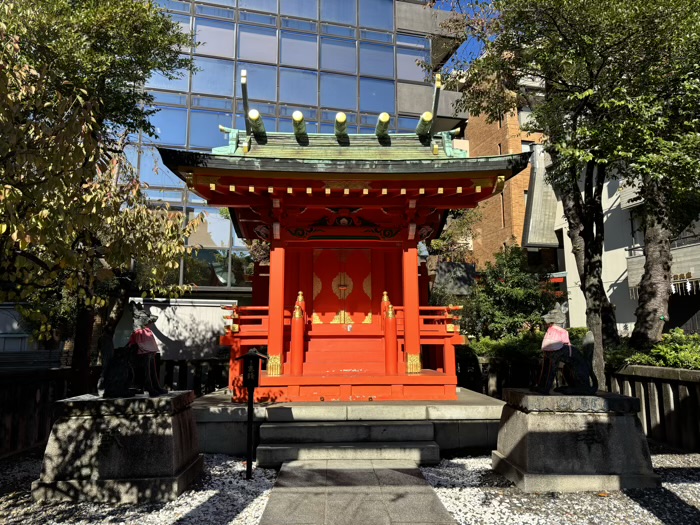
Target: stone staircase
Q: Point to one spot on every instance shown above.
(347, 440)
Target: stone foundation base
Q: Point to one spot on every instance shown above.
(128, 450)
(137, 490)
(569, 482)
(562, 443)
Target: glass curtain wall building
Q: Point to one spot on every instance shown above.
(316, 56)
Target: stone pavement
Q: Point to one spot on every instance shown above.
(359, 492)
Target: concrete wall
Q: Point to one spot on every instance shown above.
(185, 329)
(416, 98)
(416, 18)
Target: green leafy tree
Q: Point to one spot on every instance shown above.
(508, 298)
(74, 222)
(454, 243)
(582, 66)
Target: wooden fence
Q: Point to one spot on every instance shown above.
(27, 396)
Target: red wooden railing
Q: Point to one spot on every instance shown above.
(248, 326)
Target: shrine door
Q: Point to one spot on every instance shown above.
(342, 293)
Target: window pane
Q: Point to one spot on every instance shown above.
(376, 59)
(298, 49)
(213, 232)
(215, 37)
(303, 25)
(264, 109)
(258, 18)
(241, 269)
(171, 126)
(407, 123)
(338, 55)
(213, 103)
(377, 95)
(174, 5)
(300, 8)
(338, 91)
(288, 111)
(230, 3)
(377, 13)
(269, 6)
(153, 171)
(337, 30)
(206, 268)
(374, 35)
(262, 81)
(257, 43)
(181, 83)
(215, 77)
(204, 128)
(161, 97)
(340, 11)
(413, 41)
(298, 87)
(219, 12)
(406, 66)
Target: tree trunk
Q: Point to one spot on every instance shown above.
(584, 215)
(81, 351)
(655, 286)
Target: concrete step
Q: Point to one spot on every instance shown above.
(422, 452)
(346, 431)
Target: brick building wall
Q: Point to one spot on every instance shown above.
(502, 216)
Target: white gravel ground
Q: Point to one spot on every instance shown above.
(474, 495)
(222, 496)
(466, 486)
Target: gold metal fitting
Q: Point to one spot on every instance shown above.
(413, 364)
(298, 314)
(274, 366)
(385, 297)
(300, 297)
(390, 313)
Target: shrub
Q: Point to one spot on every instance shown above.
(524, 346)
(676, 350)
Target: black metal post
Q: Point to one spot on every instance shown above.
(250, 444)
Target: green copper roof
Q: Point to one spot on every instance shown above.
(321, 152)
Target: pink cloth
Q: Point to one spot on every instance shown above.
(146, 341)
(555, 338)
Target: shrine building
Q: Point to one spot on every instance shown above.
(342, 308)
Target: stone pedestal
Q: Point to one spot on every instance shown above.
(121, 450)
(563, 443)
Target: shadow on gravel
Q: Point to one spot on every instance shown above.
(665, 505)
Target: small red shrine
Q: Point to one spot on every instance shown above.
(345, 314)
